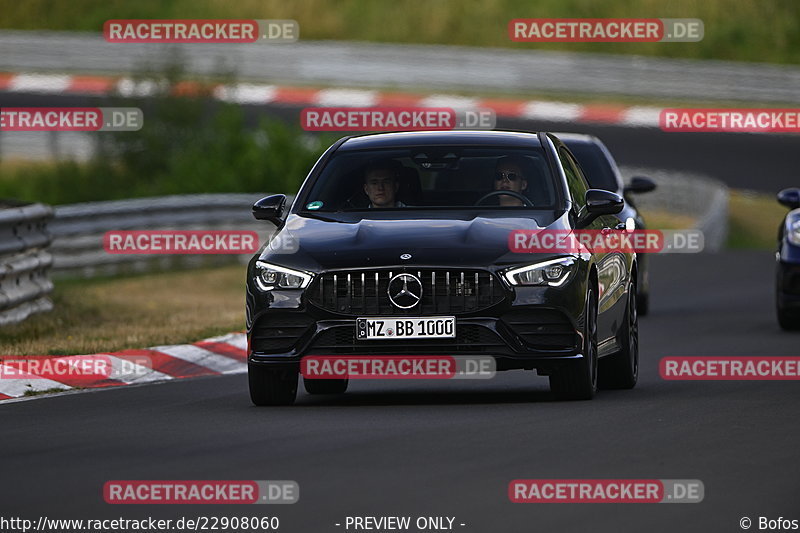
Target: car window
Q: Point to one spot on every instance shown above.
(575, 181)
(439, 176)
(596, 167)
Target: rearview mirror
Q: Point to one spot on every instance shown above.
(598, 203)
(790, 198)
(639, 185)
(271, 209)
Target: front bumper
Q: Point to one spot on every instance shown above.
(536, 327)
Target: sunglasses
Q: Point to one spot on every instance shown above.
(510, 176)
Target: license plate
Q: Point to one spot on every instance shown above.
(406, 328)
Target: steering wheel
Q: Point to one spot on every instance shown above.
(525, 200)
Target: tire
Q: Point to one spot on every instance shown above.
(787, 320)
(620, 370)
(325, 386)
(643, 304)
(578, 379)
(272, 386)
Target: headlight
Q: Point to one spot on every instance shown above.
(270, 277)
(793, 229)
(553, 273)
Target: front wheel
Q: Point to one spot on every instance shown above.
(788, 321)
(272, 385)
(620, 370)
(577, 380)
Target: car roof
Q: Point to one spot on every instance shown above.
(456, 137)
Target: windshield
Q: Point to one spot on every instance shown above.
(595, 166)
(434, 177)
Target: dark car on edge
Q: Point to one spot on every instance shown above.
(570, 316)
(601, 172)
(787, 282)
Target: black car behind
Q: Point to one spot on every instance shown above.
(787, 283)
(601, 172)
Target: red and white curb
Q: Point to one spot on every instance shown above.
(257, 93)
(215, 356)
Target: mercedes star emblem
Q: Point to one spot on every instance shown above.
(405, 290)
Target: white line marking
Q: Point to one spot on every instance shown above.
(445, 100)
(551, 110)
(127, 371)
(246, 93)
(346, 98)
(18, 387)
(237, 340)
(40, 83)
(641, 116)
(202, 357)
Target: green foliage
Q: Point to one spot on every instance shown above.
(187, 145)
(744, 30)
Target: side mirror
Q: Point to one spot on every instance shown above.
(598, 203)
(271, 209)
(639, 185)
(790, 198)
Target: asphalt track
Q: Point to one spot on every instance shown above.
(761, 162)
(450, 448)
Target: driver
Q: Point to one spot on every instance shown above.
(381, 182)
(510, 176)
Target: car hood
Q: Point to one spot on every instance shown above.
(320, 245)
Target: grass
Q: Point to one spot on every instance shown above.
(746, 30)
(135, 312)
(660, 219)
(182, 152)
(754, 219)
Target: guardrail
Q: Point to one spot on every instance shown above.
(78, 231)
(409, 66)
(700, 197)
(24, 261)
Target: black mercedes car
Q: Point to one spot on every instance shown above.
(416, 225)
(601, 172)
(787, 283)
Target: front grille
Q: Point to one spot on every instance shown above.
(278, 333)
(470, 338)
(542, 328)
(444, 291)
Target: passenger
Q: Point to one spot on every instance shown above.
(381, 183)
